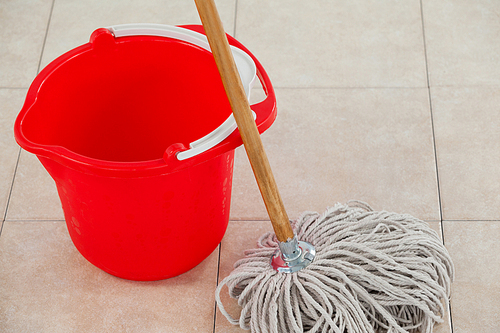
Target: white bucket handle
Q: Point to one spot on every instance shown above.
(244, 63)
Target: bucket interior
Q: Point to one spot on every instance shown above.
(129, 101)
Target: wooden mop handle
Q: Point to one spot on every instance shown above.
(241, 109)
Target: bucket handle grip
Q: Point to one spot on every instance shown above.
(246, 68)
(244, 63)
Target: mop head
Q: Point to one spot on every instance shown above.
(373, 272)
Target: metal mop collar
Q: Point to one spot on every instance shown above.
(372, 271)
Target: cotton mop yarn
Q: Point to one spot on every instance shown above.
(373, 272)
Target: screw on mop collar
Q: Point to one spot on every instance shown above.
(292, 256)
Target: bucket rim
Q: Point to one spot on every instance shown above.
(265, 111)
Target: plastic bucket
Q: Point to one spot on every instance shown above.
(117, 123)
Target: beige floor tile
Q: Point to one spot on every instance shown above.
(34, 194)
(475, 300)
(466, 122)
(47, 286)
(11, 101)
(462, 41)
(334, 145)
(73, 21)
(22, 30)
(362, 43)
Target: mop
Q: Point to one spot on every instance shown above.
(348, 270)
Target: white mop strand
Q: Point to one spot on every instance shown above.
(373, 272)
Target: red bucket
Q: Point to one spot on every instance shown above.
(129, 127)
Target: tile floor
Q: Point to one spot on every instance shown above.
(396, 103)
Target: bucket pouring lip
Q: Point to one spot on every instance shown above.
(265, 116)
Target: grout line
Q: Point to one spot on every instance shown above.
(45, 37)
(337, 87)
(242, 219)
(13, 88)
(451, 317)
(217, 284)
(383, 87)
(441, 225)
(33, 220)
(466, 86)
(449, 301)
(19, 153)
(235, 17)
(434, 144)
(378, 87)
(432, 115)
(475, 220)
(11, 188)
(425, 45)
